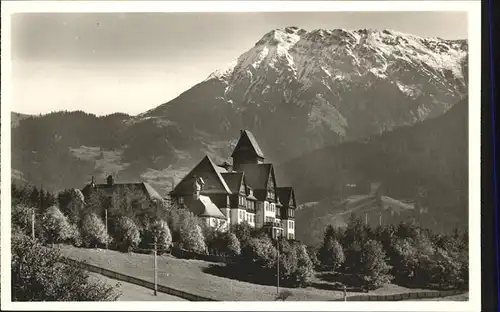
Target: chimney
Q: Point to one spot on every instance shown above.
(92, 182)
(110, 180)
(196, 188)
(226, 165)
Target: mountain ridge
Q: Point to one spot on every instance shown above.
(309, 90)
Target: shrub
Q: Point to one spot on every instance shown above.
(127, 234)
(93, 231)
(39, 275)
(55, 226)
(283, 295)
(21, 218)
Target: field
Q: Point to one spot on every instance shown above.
(132, 292)
(190, 276)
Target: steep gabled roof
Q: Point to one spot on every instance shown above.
(233, 180)
(285, 194)
(247, 144)
(257, 175)
(141, 187)
(211, 175)
(204, 207)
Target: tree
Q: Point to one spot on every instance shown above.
(355, 238)
(233, 245)
(191, 234)
(243, 232)
(96, 202)
(132, 203)
(313, 255)
(72, 204)
(93, 231)
(304, 273)
(288, 261)
(258, 258)
(373, 265)
(38, 274)
(162, 233)
(331, 254)
(55, 226)
(21, 217)
(127, 234)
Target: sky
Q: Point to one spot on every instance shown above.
(104, 63)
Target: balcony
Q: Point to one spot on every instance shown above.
(273, 224)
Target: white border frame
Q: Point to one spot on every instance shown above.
(474, 36)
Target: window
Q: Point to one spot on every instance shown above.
(181, 200)
(266, 206)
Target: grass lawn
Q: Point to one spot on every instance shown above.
(132, 292)
(189, 276)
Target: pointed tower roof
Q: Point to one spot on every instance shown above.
(211, 175)
(248, 144)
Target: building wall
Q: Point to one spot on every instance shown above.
(269, 212)
(289, 228)
(259, 214)
(238, 215)
(216, 223)
(250, 217)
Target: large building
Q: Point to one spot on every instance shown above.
(225, 195)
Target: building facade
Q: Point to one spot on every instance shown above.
(245, 191)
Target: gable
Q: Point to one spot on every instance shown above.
(247, 144)
(206, 170)
(242, 187)
(271, 180)
(291, 202)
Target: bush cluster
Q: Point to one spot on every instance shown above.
(405, 253)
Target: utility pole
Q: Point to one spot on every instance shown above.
(156, 283)
(106, 219)
(33, 223)
(278, 267)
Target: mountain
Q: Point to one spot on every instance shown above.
(303, 90)
(297, 91)
(425, 165)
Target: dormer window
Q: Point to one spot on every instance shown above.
(242, 201)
